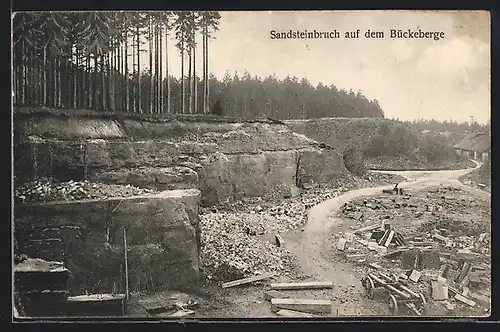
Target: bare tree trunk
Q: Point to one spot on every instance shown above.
(44, 67)
(157, 66)
(95, 78)
(111, 79)
(183, 106)
(208, 76)
(104, 90)
(54, 81)
(190, 80)
(29, 65)
(195, 79)
(23, 73)
(166, 69)
(204, 74)
(139, 70)
(127, 92)
(134, 81)
(151, 96)
(75, 78)
(59, 92)
(89, 97)
(120, 75)
(160, 58)
(155, 34)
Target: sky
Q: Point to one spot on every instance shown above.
(448, 79)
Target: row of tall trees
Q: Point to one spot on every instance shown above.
(119, 61)
(92, 60)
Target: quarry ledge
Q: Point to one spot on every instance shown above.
(176, 193)
(155, 118)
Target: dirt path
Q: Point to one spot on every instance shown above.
(312, 248)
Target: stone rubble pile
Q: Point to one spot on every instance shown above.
(44, 190)
(231, 243)
(445, 255)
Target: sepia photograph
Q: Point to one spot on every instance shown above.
(207, 165)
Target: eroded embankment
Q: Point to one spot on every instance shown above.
(226, 160)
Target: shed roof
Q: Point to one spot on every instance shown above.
(479, 141)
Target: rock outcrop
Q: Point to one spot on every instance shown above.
(225, 159)
(162, 230)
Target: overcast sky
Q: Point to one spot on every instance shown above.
(411, 78)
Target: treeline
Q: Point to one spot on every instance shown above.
(400, 140)
(92, 60)
(448, 126)
(288, 98)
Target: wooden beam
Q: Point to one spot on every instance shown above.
(302, 285)
(293, 313)
(367, 228)
(272, 294)
(304, 305)
(247, 280)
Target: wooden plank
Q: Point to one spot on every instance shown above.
(304, 305)
(272, 294)
(367, 228)
(293, 313)
(375, 266)
(363, 242)
(302, 285)
(465, 300)
(247, 280)
(384, 237)
(179, 313)
(389, 238)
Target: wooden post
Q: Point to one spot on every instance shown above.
(126, 262)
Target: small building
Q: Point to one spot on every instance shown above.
(476, 146)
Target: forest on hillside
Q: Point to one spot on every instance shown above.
(95, 60)
(434, 126)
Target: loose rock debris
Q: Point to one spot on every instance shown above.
(231, 244)
(440, 253)
(45, 190)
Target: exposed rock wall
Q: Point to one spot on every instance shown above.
(226, 160)
(223, 158)
(162, 232)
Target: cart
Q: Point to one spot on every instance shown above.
(399, 294)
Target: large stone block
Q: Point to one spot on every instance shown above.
(228, 177)
(320, 166)
(92, 233)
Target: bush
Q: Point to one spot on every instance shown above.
(354, 161)
(434, 150)
(395, 141)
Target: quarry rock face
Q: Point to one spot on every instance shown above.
(162, 230)
(320, 166)
(226, 160)
(248, 175)
(161, 178)
(190, 159)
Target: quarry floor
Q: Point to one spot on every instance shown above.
(315, 250)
